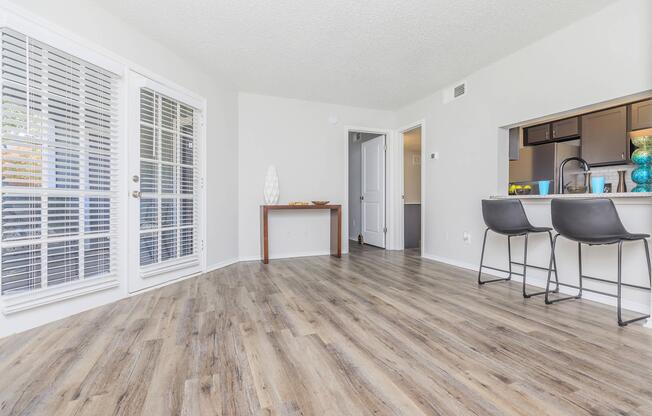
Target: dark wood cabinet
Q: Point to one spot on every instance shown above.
(604, 137)
(566, 128)
(537, 134)
(641, 115)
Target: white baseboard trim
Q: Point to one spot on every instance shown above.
(221, 264)
(540, 282)
(291, 255)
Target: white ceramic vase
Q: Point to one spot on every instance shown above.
(271, 190)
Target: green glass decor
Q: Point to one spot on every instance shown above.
(642, 157)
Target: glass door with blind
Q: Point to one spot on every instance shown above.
(164, 207)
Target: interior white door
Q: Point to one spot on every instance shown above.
(373, 191)
(164, 185)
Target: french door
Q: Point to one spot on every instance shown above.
(164, 184)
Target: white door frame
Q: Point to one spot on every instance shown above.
(345, 203)
(134, 78)
(397, 200)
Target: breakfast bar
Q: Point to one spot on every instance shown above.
(635, 211)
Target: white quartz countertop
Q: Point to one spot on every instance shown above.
(551, 196)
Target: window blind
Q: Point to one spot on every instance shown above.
(59, 162)
(169, 182)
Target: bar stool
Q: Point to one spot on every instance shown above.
(593, 221)
(507, 217)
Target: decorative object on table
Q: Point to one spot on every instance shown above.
(523, 190)
(622, 185)
(544, 187)
(320, 202)
(271, 190)
(597, 185)
(642, 157)
(298, 203)
(607, 188)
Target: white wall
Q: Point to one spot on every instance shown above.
(310, 155)
(86, 23)
(602, 57)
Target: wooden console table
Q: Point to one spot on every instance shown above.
(336, 226)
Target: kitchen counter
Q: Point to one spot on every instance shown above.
(551, 196)
(635, 210)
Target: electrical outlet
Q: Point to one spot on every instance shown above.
(466, 237)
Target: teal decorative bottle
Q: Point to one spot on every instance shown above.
(642, 157)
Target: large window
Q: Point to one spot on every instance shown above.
(59, 167)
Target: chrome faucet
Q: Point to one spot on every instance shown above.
(585, 166)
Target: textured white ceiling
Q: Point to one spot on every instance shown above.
(371, 53)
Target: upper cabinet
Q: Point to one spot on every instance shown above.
(641, 115)
(566, 128)
(537, 134)
(604, 137)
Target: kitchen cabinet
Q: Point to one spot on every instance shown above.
(537, 134)
(604, 137)
(566, 128)
(641, 115)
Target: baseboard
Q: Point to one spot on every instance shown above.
(290, 255)
(221, 264)
(540, 282)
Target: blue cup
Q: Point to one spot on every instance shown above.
(597, 185)
(544, 187)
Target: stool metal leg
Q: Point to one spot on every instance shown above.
(620, 290)
(554, 265)
(553, 260)
(529, 295)
(509, 254)
(647, 258)
(579, 258)
(484, 243)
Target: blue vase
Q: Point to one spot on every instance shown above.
(642, 157)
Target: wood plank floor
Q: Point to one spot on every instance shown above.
(375, 333)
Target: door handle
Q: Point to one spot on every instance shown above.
(135, 194)
(362, 198)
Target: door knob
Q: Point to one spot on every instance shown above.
(135, 194)
(135, 178)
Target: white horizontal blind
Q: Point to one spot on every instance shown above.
(169, 182)
(59, 161)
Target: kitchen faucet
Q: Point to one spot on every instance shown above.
(585, 166)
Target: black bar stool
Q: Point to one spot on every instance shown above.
(507, 217)
(593, 221)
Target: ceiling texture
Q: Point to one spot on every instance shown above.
(371, 53)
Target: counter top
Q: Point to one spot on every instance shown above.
(551, 196)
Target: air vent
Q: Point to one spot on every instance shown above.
(459, 90)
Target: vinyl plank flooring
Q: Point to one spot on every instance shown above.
(374, 333)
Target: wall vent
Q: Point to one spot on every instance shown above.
(459, 90)
(455, 91)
